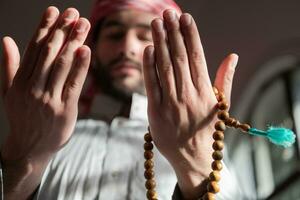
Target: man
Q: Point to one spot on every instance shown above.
(104, 157)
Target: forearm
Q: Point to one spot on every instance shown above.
(21, 178)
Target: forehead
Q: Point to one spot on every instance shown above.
(129, 18)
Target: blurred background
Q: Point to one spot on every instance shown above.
(266, 36)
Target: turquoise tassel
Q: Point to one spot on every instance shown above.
(277, 135)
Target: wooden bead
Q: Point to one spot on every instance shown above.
(217, 155)
(235, 123)
(220, 96)
(222, 105)
(148, 137)
(223, 115)
(218, 145)
(148, 146)
(217, 165)
(213, 187)
(151, 194)
(148, 164)
(214, 176)
(209, 196)
(229, 121)
(149, 174)
(220, 126)
(216, 91)
(150, 184)
(148, 154)
(245, 127)
(218, 135)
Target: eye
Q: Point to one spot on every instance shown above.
(115, 35)
(145, 36)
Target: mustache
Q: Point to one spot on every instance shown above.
(122, 59)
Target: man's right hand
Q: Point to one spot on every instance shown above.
(40, 94)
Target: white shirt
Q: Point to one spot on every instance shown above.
(105, 161)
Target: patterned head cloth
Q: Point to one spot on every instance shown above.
(100, 10)
(103, 8)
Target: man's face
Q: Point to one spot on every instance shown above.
(122, 39)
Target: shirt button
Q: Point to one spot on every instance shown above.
(115, 174)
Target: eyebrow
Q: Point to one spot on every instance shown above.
(113, 23)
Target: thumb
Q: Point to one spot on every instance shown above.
(225, 73)
(10, 63)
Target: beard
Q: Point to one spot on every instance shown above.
(113, 86)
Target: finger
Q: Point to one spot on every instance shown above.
(225, 74)
(178, 52)
(195, 52)
(51, 49)
(11, 62)
(151, 79)
(64, 61)
(162, 57)
(42, 33)
(77, 75)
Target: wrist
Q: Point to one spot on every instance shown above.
(17, 171)
(22, 172)
(193, 166)
(193, 182)
(22, 152)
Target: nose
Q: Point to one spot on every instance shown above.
(131, 46)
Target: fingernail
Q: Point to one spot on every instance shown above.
(158, 25)
(235, 61)
(186, 19)
(150, 51)
(170, 15)
(52, 13)
(81, 26)
(69, 14)
(84, 53)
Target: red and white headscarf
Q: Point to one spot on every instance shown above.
(103, 8)
(100, 10)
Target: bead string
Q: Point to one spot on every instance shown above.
(214, 177)
(149, 168)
